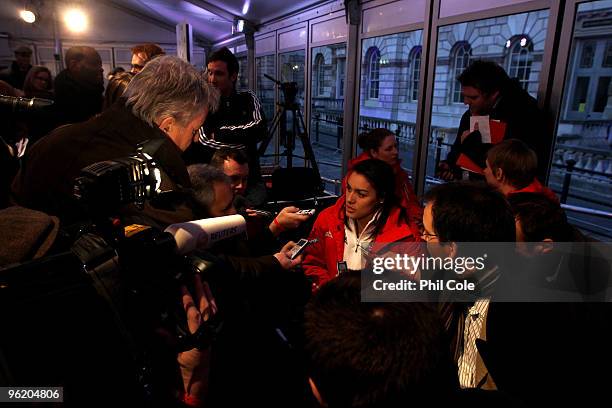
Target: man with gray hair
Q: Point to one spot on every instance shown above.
(211, 191)
(167, 101)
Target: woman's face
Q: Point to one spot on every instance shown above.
(387, 151)
(41, 80)
(361, 197)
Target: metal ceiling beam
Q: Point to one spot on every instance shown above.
(150, 19)
(224, 14)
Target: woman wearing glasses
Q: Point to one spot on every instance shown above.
(368, 220)
(38, 83)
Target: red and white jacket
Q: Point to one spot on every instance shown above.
(403, 190)
(321, 260)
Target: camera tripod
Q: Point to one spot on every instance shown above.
(298, 128)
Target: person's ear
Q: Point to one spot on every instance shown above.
(373, 153)
(495, 95)
(545, 246)
(499, 174)
(234, 77)
(315, 392)
(166, 124)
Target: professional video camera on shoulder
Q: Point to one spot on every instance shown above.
(119, 281)
(153, 263)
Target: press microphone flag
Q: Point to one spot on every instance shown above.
(202, 234)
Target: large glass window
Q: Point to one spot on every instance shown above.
(520, 60)
(582, 155)
(415, 72)
(265, 92)
(327, 108)
(461, 59)
(394, 107)
(373, 73)
(487, 39)
(242, 84)
(318, 80)
(292, 65)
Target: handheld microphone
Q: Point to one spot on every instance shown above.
(202, 234)
(19, 104)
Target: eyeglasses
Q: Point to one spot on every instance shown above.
(427, 236)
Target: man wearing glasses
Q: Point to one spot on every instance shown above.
(15, 75)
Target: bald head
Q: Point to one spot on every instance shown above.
(85, 65)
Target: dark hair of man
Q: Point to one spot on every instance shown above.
(470, 212)
(373, 139)
(203, 178)
(540, 218)
(518, 162)
(225, 55)
(486, 76)
(380, 175)
(223, 154)
(149, 49)
(365, 354)
(115, 88)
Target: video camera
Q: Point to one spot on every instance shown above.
(289, 90)
(116, 281)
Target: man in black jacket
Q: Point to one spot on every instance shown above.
(16, 74)
(79, 87)
(45, 181)
(488, 90)
(238, 124)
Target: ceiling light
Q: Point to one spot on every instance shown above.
(76, 20)
(27, 16)
(240, 26)
(245, 7)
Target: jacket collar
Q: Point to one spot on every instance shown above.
(393, 230)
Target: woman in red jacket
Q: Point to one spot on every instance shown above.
(363, 222)
(381, 144)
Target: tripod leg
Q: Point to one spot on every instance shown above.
(308, 152)
(263, 146)
(295, 130)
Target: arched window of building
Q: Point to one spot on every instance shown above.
(461, 56)
(373, 73)
(319, 76)
(414, 63)
(519, 59)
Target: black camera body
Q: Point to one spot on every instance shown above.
(89, 318)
